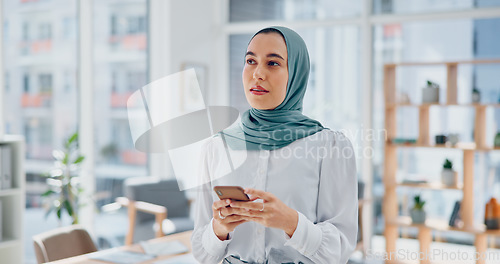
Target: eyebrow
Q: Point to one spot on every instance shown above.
(268, 55)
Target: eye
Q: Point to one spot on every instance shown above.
(273, 63)
(250, 61)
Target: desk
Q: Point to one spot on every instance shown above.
(184, 237)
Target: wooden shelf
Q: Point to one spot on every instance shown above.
(437, 63)
(425, 105)
(461, 146)
(479, 126)
(431, 185)
(442, 225)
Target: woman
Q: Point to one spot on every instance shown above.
(303, 174)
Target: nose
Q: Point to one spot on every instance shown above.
(259, 73)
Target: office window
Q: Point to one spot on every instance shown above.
(26, 83)
(6, 31)
(6, 82)
(68, 28)
(263, 10)
(26, 32)
(120, 68)
(426, 6)
(36, 58)
(45, 83)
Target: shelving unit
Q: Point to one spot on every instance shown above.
(393, 220)
(13, 204)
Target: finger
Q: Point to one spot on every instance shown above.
(251, 213)
(234, 211)
(220, 204)
(233, 218)
(247, 205)
(235, 224)
(255, 219)
(259, 194)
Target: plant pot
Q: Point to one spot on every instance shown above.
(417, 216)
(430, 95)
(476, 97)
(453, 139)
(497, 140)
(449, 177)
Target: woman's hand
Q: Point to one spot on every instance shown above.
(226, 219)
(271, 213)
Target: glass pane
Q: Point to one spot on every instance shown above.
(40, 55)
(437, 41)
(425, 6)
(120, 68)
(332, 95)
(243, 11)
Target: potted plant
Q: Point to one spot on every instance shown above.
(417, 212)
(448, 175)
(476, 95)
(430, 93)
(63, 180)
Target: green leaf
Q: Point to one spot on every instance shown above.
(68, 207)
(47, 193)
(73, 138)
(65, 160)
(79, 159)
(59, 213)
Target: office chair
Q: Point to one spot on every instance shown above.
(156, 207)
(62, 243)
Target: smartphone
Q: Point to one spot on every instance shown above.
(231, 192)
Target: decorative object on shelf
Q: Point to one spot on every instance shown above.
(455, 220)
(417, 212)
(430, 93)
(404, 98)
(441, 139)
(449, 176)
(453, 138)
(5, 167)
(64, 182)
(476, 95)
(497, 139)
(492, 214)
(404, 140)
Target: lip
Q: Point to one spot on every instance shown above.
(261, 91)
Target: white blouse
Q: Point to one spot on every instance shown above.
(315, 175)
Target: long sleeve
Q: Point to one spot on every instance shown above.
(332, 239)
(206, 247)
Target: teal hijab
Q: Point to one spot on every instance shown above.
(277, 128)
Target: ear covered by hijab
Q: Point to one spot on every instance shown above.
(279, 127)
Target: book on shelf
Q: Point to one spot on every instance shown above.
(1, 217)
(5, 167)
(455, 215)
(416, 181)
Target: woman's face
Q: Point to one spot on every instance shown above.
(265, 75)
